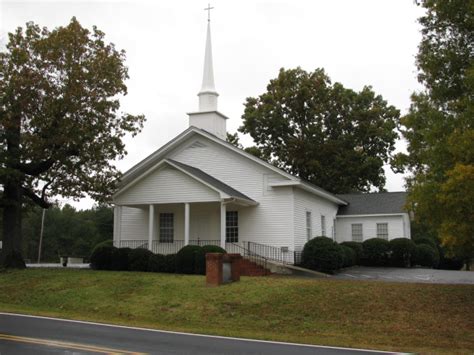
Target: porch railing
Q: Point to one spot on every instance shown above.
(259, 252)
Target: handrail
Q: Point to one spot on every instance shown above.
(278, 254)
(246, 253)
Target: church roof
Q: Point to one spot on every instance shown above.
(373, 203)
(210, 180)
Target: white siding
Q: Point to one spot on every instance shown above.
(271, 221)
(166, 185)
(133, 223)
(397, 226)
(304, 202)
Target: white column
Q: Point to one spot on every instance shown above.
(186, 223)
(223, 211)
(151, 225)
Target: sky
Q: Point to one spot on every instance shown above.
(358, 43)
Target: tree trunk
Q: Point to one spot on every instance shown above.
(12, 241)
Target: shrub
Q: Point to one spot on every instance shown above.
(376, 252)
(357, 247)
(170, 263)
(402, 250)
(213, 249)
(323, 254)
(188, 260)
(426, 240)
(101, 257)
(426, 255)
(449, 263)
(138, 259)
(350, 256)
(157, 263)
(120, 260)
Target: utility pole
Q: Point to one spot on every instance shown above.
(41, 235)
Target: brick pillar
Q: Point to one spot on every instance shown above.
(235, 260)
(214, 269)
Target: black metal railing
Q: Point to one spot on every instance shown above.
(246, 253)
(166, 248)
(202, 242)
(132, 243)
(281, 255)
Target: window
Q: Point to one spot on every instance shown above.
(323, 225)
(309, 231)
(382, 230)
(357, 235)
(166, 227)
(232, 226)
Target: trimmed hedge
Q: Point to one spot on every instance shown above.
(402, 250)
(357, 247)
(426, 255)
(138, 259)
(376, 252)
(157, 263)
(189, 260)
(322, 254)
(350, 256)
(120, 259)
(213, 249)
(170, 263)
(101, 257)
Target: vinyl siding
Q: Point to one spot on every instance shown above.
(305, 201)
(166, 185)
(398, 226)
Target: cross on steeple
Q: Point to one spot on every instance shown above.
(208, 9)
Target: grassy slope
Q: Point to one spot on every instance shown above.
(389, 316)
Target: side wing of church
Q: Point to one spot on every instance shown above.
(199, 189)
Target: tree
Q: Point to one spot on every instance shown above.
(439, 126)
(332, 136)
(234, 140)
(60, 126)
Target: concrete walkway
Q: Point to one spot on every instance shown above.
(58, 266)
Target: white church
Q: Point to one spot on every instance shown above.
(200, 189)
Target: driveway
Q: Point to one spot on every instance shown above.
(391, 274)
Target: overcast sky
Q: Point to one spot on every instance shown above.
(364, 42)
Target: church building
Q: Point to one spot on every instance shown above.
(200, 189)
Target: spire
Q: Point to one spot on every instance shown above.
(208, 94)
(208, 118)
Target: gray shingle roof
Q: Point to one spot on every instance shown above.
(219, 185)
(373, 203)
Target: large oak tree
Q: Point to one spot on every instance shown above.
(335, 137)
(60, 125)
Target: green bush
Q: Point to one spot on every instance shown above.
(120, 260)
(170, 263)
(138, 259)
(375, 252)
(426, 240)
(402, 250)
(213, 249)
(189, 260)
(157, 263)
(425, 255)
(350, 256)
(323, 254)
(357, 247)
(101, 257)
(449, 263)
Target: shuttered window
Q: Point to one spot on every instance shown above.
(323, 226)
(357, 235)
(166, 227)
(382, 230)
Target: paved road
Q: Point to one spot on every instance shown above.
(407, 275)
(38, 335)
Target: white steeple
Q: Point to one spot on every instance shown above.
(208, 118)
(208, 94)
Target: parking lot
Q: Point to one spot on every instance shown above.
(407, 275)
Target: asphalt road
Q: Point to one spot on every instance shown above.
(38, 335)
(392, 274)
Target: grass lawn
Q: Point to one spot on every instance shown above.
(387, 316)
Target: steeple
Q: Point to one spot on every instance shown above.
(208, 94)
(208, 118)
